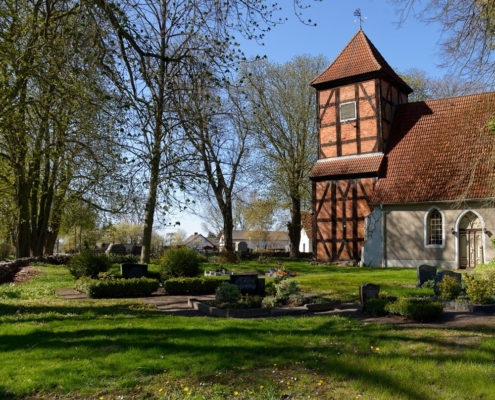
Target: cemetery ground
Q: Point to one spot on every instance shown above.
(51, 348)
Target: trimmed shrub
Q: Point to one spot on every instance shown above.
(420, 310)
(135, 287)
(376, 307)
(478, 289)
(88, 264)
(227, 293)
(179, 262)
(449, 288)
(192, 285)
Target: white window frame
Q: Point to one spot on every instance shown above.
(340, 113)
(426, 229)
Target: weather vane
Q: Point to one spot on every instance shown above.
(357, 13)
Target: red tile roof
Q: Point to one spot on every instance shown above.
(346, 166)
(359, 57)
(439, 150)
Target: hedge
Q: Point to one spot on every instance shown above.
(421, 310)
(192, 285)
(100, 289)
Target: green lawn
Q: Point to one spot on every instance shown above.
(122, 349)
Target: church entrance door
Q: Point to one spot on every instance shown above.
(470, 241)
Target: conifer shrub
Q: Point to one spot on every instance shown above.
(88, 264)
(179, 262)
(227, 293)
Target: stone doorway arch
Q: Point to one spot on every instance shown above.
(471, 243)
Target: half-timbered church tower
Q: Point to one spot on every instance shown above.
(371, 153)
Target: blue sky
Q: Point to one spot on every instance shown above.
(414, 45)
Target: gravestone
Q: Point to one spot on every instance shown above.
(130, 270)
(248, 283)
(368, 291)
(441, 274)
(425, 273)
(242, 247)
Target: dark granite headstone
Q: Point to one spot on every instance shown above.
(130, 270)
(242, 247)
(441, 274)
(250, 284)
(368, 291)
(425, 273)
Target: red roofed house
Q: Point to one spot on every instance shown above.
(398, 183)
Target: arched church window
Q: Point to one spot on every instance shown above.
(435, 231)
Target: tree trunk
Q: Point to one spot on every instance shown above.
(295, 227)
(23, 234)
(149, 213)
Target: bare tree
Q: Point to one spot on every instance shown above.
(427, 87)
(282, 110)
(467, 36)
(156, 40)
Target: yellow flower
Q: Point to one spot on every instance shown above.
(319, 383)
(261, 387)
(377, 349)
(236, 393)
(161, 390)
(101, 398)
(371, 346)
(274, 365)
(186, 389)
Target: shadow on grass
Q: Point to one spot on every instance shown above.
(228, 344)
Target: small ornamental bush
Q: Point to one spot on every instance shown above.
(88, 264)
(227, 293)
(376, 307)
(428, 284)
(179, 262)
(102, 289)
(269, 302)
(178, 286)
(420, 310)
(296, 300)
(285, 288)
(478, 289)
(450, 288)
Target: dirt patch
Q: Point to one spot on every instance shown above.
(24, 274)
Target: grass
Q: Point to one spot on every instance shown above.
(339, 282)
(123, 349)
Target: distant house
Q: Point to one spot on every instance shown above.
(200, 243)
(306, 241)
(258, 241)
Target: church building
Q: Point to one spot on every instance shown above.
(399, 183)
